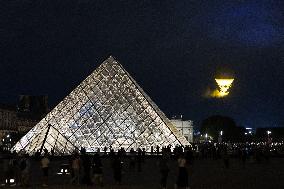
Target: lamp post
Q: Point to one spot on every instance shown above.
(181, 125)
(268, 136)
(220, 137)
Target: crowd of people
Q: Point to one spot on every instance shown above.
(88, 169)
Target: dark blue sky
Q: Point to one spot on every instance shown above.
(174, 49)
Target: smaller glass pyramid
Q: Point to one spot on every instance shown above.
(107, 109)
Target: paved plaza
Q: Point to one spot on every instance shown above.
(204, 173)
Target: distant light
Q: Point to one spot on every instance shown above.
(8, 136)
(249, 132)
(10, 181)
(206, 135)
(246, 133)
(268, 132)
(248, 128)
(221, 133)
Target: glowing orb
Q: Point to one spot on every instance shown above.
(224, 85)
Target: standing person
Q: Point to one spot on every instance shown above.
(97, 170)
(152, 150)
(244, 156)
(86, 162)
(182, 179)
(5, 170)
(76, 169)
(164, 170)
(143, 154)
(14, 169)
(158, 149)
(8, 170)
(132, 159)
(105, 151)
(226, 158)
(117, 169)
(139, 160)
(44, 166)
(25, 171)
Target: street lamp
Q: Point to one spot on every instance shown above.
(220, 137)
(269, 139)
(206, 137)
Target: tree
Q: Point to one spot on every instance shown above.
(213, 125)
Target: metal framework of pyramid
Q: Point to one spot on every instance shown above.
(107, 109)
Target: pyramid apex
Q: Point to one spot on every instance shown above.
(111, 58)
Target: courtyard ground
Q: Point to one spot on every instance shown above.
(203, 174)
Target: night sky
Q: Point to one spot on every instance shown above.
(173, 49)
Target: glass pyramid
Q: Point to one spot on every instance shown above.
(107, 109)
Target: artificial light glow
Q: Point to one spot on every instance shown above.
(221, 133)
(224, 85)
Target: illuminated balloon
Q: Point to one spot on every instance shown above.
(224, 86)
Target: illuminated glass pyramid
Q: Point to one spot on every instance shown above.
(107, 109)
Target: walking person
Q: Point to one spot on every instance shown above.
(44, 166)
(182, 179)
